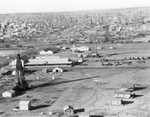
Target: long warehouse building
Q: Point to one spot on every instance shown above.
(49, 62)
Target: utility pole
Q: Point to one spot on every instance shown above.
(21, 84)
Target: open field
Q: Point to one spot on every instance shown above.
(86, 88)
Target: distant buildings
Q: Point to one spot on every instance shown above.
(82, 48)
(49, 51)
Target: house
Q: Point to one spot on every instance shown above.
(57, 69)
(8, 93)
(121, 94)
(115, 102)
(49, 51)
(25, 105)
(68, 109)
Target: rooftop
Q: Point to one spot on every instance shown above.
(49, 61)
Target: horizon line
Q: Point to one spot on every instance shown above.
(73, 11)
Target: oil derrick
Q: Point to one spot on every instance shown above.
(21, 84)
(106, 33)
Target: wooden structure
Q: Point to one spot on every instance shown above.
(25, 105)
(8, 93)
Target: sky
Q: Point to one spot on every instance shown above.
(28, 6)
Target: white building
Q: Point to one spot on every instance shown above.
(49, 51)
(46, 52)
(122, 94)
(45, 56)
(25, 105)
(8, 93)
(82, 48)
(115, 102)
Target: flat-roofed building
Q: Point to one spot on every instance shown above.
(115, 102)
(82, 48)
(122, 94)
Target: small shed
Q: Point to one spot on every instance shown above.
(8, 93)
(57, 69)
(121, 94)
(115, 102)
(68, 109)
(25, 105)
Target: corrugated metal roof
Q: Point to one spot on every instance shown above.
(49, 61)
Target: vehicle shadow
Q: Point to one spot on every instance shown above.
(127, 102)
(39, 107)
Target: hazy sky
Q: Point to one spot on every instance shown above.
(17, 6)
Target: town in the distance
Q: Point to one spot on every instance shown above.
(75, 64)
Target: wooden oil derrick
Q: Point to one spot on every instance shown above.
(21, 83)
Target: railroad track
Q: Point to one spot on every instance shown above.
(95, 94)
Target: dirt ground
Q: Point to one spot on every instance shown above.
(85, 88)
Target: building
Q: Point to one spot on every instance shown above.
(49, 62)
(121, 94)
(46, 52)
(82, 48)
(49, 51)
(41, 56)
(25, 105)
(68, 109)
(115, 102)
(8, 93)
